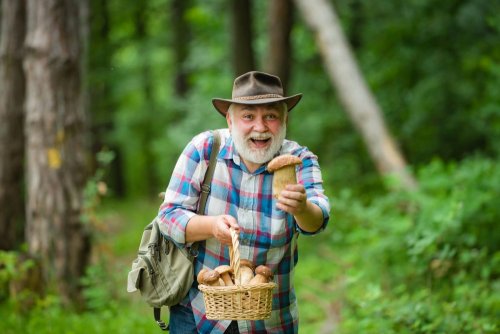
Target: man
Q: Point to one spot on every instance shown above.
(241, 198)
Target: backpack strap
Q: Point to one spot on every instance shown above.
(205, 188)
(205, 191)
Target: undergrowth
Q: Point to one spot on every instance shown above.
(426, 261)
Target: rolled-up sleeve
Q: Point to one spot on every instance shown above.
(309, 174)
(182, 194)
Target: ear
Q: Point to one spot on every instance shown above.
(229, 122)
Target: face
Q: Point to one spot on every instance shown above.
(258, 131)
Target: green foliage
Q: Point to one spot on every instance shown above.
(433, 67)
(420, 262)
(7, 272)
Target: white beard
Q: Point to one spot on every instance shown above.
(258, 156)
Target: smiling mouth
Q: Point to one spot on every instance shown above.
(260, 142)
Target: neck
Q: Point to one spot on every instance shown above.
(251, 166)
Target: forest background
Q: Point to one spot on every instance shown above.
(423, 259)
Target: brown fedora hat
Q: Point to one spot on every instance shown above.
(256, 88)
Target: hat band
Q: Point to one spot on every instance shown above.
(258, 97)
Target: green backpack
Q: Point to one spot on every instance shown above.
(163, 272)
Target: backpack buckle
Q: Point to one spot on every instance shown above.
(193, 252)
(205, 188)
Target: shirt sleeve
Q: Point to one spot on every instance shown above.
(309, 174)
(183, 191)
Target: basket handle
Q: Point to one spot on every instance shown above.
(234, 256)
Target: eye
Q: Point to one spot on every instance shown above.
(272, 117)
(248, 116)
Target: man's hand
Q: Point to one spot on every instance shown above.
(221, 226)
(293, 199)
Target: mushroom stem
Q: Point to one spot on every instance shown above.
(246, 270)
(225, 274)
(283, 167)
(282, 177)
(227, 279)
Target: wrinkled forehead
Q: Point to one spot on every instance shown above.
(278, 106)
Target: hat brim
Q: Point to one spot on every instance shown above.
(222, 105)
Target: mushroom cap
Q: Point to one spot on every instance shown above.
(283, 161)
(222, 269)
(211, 276)
(264, 271)
(247, 263)
(199, 278)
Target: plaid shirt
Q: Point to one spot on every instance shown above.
(267, 234)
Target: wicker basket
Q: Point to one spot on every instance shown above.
(238, 302)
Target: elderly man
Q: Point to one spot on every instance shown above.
(241, 198)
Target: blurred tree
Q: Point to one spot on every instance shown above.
(279, 53)
(12, 93)
(242, 34)
(55, 143)
(141, 17)
(102, 106)
(181, 37)
(435, 69)
(353, 92)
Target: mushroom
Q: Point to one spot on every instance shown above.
(199, 278)
(283, 167)
(225, 272)
(246, 270)
(262, 275)
(211, 277)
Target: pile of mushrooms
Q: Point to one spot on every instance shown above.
(283, 167)
(224, 276)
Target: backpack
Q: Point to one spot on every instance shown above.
(163, 272)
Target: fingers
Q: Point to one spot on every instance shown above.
(221, 229)
(293, 199)
(231, 222)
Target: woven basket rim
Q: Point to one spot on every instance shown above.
(245, 306)
(236, 288)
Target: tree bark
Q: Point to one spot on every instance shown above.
(353, 91)
(279, 22)
(102, 106)
(181, 37)
(55, 119)
(243, 56)
(12, 93)
(146, 137)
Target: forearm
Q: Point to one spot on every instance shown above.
(206, 227)
(311, 218)
(200, 228)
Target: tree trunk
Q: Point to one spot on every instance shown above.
(181, 37)
(102, 106)
(146, 137)
(12, 92)
(353, 92)
(55, 116)
(243, 57)
(279, 21)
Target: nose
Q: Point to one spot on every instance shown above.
(259, 124)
